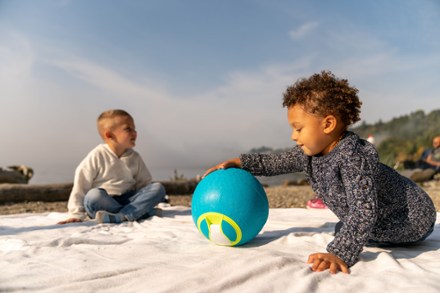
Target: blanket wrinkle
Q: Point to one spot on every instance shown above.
(169, 254)
(77, 241)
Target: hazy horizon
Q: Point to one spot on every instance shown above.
(203, 79)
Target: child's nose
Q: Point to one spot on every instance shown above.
(294, 135)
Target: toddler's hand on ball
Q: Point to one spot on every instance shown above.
(232, 163)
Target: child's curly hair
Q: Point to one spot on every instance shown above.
(324, 94)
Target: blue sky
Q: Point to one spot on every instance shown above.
(203, 79)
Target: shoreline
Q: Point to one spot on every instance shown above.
(279, 196)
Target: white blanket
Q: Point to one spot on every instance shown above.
(168, 254)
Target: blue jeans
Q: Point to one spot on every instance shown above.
(134, 205)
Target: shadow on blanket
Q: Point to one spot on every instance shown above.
(5, 230)
(408, 251)
(268, 236)
(174, 213)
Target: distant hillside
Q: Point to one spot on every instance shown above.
(404, 137)
(401, 138)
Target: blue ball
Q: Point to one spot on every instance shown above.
(229, 207)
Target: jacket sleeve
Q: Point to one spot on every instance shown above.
(143, 177)
(82, 183)
(274, 164)
(358, 179)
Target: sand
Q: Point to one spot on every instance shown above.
(279, 197)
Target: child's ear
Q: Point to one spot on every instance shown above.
(107, 134)
(329, 123)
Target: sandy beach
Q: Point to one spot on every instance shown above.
(279, 197)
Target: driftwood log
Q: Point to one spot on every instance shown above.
(12, 193)
(27, 192)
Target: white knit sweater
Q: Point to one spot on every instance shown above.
(101, 168)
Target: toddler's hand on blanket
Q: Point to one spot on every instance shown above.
(70, 220)
(322, 261)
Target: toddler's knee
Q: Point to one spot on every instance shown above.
(160, 189)
(94, 195)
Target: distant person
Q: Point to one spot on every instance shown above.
(374, 203)
(433, 155)
(430, 158)
(112, 184)
(428, 165)
(371, 139)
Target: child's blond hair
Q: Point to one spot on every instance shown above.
(106, 121)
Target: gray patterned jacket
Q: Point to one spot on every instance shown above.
(371, 199)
